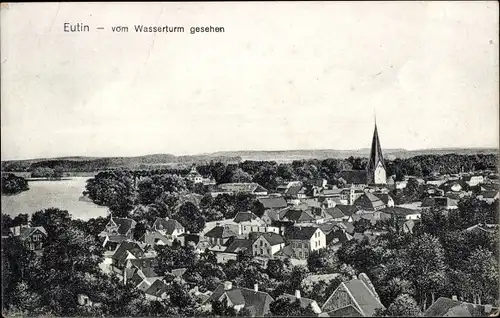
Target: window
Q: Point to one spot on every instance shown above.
(299, 245)
(265, 244)
(261, 252)
(300, 254)
(306, 254)
(261, 243)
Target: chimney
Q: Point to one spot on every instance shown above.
(297, 294)
(454, 297)
(217, 224)
(354, 277)
(166, 218)
(255, 287)
(228, 285)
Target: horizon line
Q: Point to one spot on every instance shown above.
(251, 150)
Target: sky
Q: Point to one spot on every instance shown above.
(283, 75)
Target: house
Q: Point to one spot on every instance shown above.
(296, 192)
(486, 228)
(489, 196)
(338, 237)
(33, 237)
(245, 217)
(194, 176)
(273, 203)
(385, 198)
(336, 214)
(119, 226)
(358, 296)
(157, 291)
(297, 215)
(369, 202)
(357, 178)
(111, 242)
(402, 213)
(155, 238)
(304, 302)
(446, 307)
(219, 235)
(473, 180)
(233, 188)
(255, 301)
(304, 240)
(439, 202)
(234, 247)
(267, 244)
(168, 227)
(127, 250)
(199, 244)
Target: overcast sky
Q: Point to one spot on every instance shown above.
(282, 76)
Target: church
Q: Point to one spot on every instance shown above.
(375, 172)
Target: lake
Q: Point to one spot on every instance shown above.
(62, 194)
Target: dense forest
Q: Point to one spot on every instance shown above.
(12, 184)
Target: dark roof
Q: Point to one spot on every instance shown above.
(328, 227)
(438, 201)
(341, 236)
(124, 224)
(297, 215)
(369, 201)
(244, 217)
(335, 212)
(157, 288)
(273, 238)
(121, 252)
(489, 194)
(257, 302)
(238, 245)
(454, 308)
(399, 211)
(286, 251)
(304, 302)
(195, 238)
(152, 238)
(28, 231)
(220, 231)
(349, 227)
(376, 156)
(347, 210)
(302, 233)
(149, 272)
(384, 197)
(273, 203)
(354, 176)
(167, 225)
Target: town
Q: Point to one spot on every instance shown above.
(362, 237)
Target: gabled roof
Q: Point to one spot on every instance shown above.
(272, 238)
(488, 228)
(384, 197)
(239, 245)
(335, 212)
(489, 194)
(302, 232)
(369, 201)
(126, 246)
(152, 238)
(361, 293)
(286, 251)
(124, 224)
(446, 307)
(438, 201)
(157, 288)
(167, 225)
(220, 231)
(330, 192)
(293, 190)
(348, 311)
(304, 302)
(241, 187)
(28, 231)
(297, 216)
(245, 217)
(347, 210)
(257, 302)
(399, 211)
(273, 203)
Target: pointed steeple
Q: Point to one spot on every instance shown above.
(376, 157)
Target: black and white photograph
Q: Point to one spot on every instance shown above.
(250, 159)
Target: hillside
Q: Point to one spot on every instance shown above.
(88, 164)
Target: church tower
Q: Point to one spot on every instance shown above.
(375, 169)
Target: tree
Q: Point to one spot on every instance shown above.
(323, 261)
(12, 184)
(285, 307)
(173, 257)
(403, 306)
(54, 221)
(191, 218)
(240, 176)
(140, 230)
(362, 225)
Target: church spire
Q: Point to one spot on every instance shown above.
(376, 160)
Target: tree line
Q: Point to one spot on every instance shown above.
(12, 184)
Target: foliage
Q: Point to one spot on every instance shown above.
(191, 217)
(12, 184)
(286, 307)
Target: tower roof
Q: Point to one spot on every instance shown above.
(375, 153)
